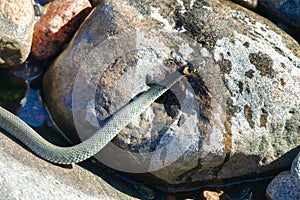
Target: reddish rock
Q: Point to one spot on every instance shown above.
(57, 26)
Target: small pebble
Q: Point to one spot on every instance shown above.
(283, 187)
(16, 22)
(212, 195)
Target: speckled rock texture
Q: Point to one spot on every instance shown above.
(246, 89)
(27, 177)
(16, 22)
(295, 170)
(283, 186)
(57, 26)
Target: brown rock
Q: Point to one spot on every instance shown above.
(16, 22)
(57, 26)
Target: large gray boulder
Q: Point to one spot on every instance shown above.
(25, 176)
(246, 92)
(16, 22)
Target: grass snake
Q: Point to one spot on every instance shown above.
(89, 147)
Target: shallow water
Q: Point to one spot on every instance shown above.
(20, 93)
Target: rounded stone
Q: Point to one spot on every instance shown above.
(283, 187)
(16, 22)
(25, 176)
(57, 26)
(246, 89)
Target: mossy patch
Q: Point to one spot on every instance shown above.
(225, 65)
(262, 63)
(263, 117)
(249, 73)
(248, 114)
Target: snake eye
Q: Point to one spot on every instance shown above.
(189, 69)
(192, 69)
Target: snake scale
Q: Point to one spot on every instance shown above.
(89, 147)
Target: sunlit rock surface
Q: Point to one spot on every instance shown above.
(246, 89)
(16, 22)
(25, 176)
(57, 26)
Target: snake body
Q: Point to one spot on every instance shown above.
(89, 147)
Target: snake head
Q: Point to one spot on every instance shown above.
(189, 69)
